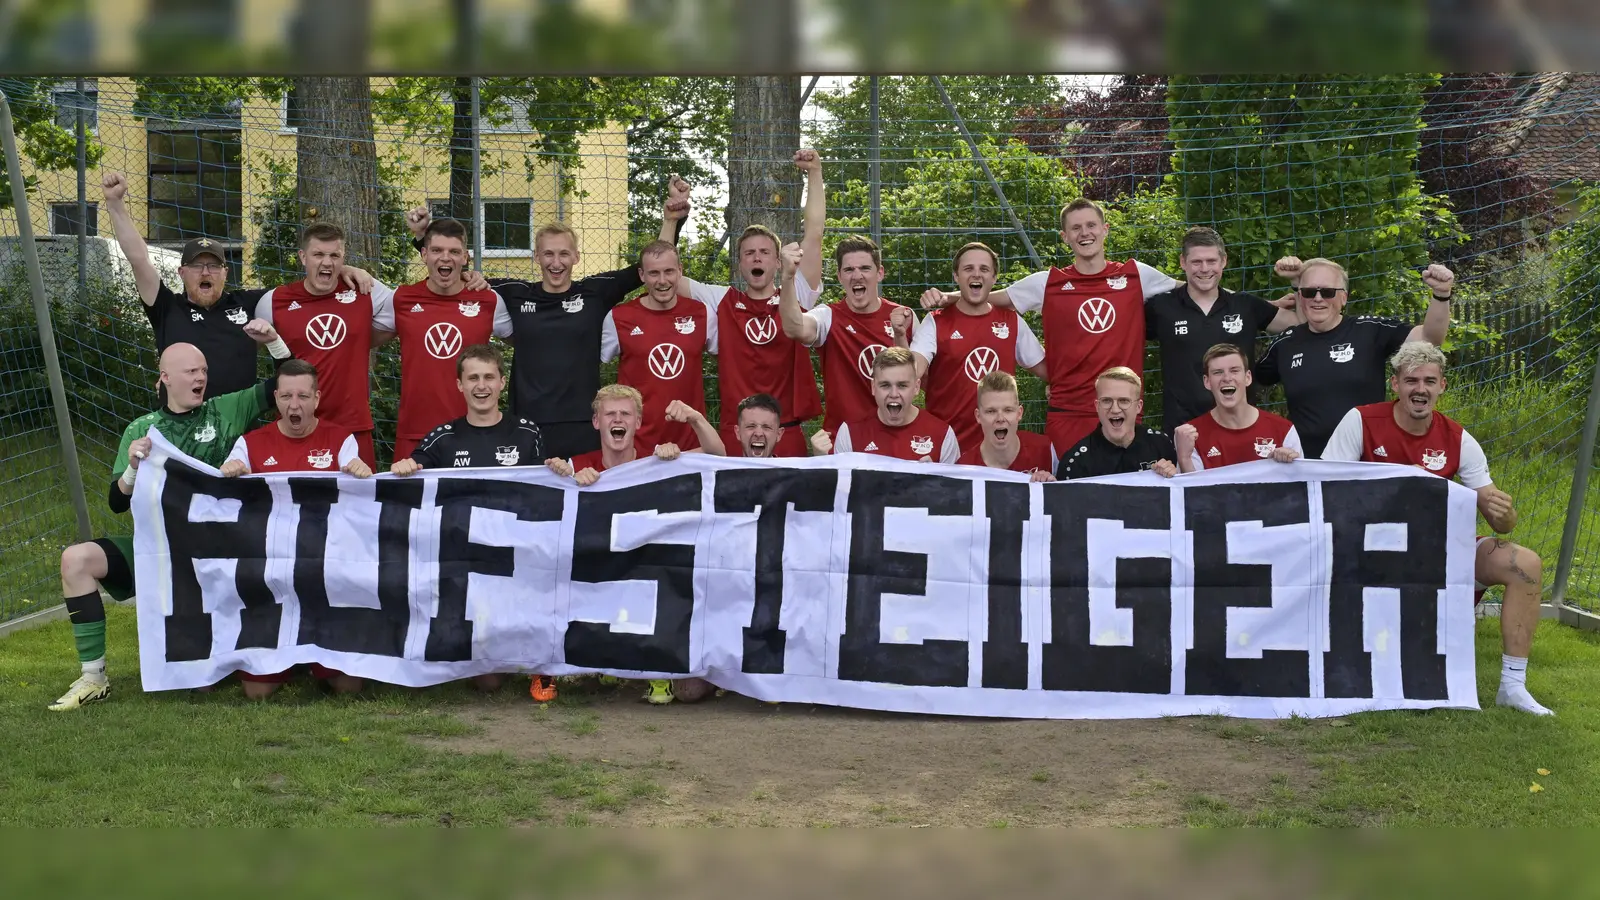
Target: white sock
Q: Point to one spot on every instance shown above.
(1514, 687)
(1513, 670)
(95, 667)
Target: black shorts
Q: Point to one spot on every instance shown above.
(119, 566)
(568, 439)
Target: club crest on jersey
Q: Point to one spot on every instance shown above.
(684, 324)
(573, 305)
(888, 328)
(507, 456)
(980, 362)
(666, 361)
(468, 308)
(206, 435)
(237, 316)
(1233, 324)
(320, 459)
(345, 296)
(1096, 315)
(1002, 330)
(1434, 460)
(196, 316)
(1265, 446)
(761, 330)
(1341, 353)
(865, 357)
(921, 445)
(1117, 282)
(326, 331)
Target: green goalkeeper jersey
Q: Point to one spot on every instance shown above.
(206, 432)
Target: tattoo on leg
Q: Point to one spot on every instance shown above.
(1526, 578)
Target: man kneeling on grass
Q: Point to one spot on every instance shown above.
(618, 410)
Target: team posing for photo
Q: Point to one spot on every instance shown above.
(876, 358)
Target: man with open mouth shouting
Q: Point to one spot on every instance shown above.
(898, 428)
(1004, 445)
(1233, 431)
(1411, 431)
(759, 425)
(1120, 445)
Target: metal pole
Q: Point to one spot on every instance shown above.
(1580, 488)
(83, 202)
(994, 184)
(41, 312)
(807, 95)
(873, 185)
(477, 192)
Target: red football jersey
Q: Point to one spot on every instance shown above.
(1219, 446)
(966, 348)
(1438, 451)
(433, 329)
(755, 357)
(850, 341)
(334, 333)
(1036, 453)
(594, 459)
(268, 449)
(663, 355)
(1091, 323)
(927, 435)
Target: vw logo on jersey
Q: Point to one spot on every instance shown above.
(1097, 315)
(1001, 330)
(981, 362)
(761, 330)
(865, 357)
(1233, 324)
(921, 445)
(345, 296)
(320, 459)
(684, 324)
(1265, 446)
(1341, 353)
(468, 309)
(575, 304)
(1117, 282)
(326, 331)
(443, 340)
(238, 316)
(666, 361)
(1434, 460)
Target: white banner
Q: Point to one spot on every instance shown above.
(1259, 590)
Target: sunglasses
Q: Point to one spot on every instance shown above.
(1324, 293)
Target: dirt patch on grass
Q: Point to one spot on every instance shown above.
(736, 761)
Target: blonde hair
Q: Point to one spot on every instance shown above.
(1416, 354)
(1121, 373)
(618, 392)
(891, 357)
(555, 228)
(997, 382)
(1308, 265)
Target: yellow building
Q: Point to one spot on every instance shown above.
(210, 177)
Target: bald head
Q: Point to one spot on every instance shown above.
(183, 371)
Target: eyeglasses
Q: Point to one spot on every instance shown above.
(1117, 402)
(207, 268)
(1325, 293)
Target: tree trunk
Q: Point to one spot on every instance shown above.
(764, 187)
(461, 152)
(337, 163)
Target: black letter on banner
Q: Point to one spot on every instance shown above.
(875, 571)
(670, 566)
(1219, 585)
(379, 631)
(450, 631)
(1144, 585)
(1005, 656)
(1422, 505)
(189, 626)
(742, 490)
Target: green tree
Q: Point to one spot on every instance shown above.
(1311, 167)
(1578, 264)
(44, 143)
(276, 216)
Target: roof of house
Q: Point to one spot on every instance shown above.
(1556, 126)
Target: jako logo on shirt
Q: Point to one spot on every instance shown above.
(980, 362)
(1117, 282)
(1233, 324)
(320, 459)
(1341, 353)
(1434, 460)
(1002, 330)
(443, 340)
(507, 456)
(573, 305)
(238, 316)
(326, 331)
(469, 310)
(865, 357)
(1265, 446)
(684, 324)
(762, 330)
(921, 445)
(345, 296)
(666, 361)
(1097, 315)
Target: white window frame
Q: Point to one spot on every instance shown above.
(517, 125)
(68, 88)
(493, 252)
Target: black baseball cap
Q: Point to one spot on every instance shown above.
(202, 247)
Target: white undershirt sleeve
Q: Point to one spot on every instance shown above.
(709, 294)
(711, 331)
(264, 306)
(805, 293)
(925, 338)
(241, 452)
(1153, 280)
(1027, 294)
(1196, 464)
(823, 316)
(841, 441)
(1029, 351)
(382, 306)
(348, 451)
(1292, 441)
(502, 316)
(1474, 468)
(1346, 441)
(950, 453)
(610, 344)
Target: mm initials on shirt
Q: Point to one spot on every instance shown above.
(443, 340)
(326, 331)
(1097, 315)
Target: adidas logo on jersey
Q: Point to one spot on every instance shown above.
(270, 461)
(417, 308)
(635, 332)
(738, 304)
(294, 304)
(1066, 285)
(850, 328)
(956, 336)
(871, 446)
(1379, 451)
(1213, 452)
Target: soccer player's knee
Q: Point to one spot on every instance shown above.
(260, 690)
(692, 690)
(78, 561)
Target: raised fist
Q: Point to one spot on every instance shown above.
(900, 321)
(807, 160)
(1288, 267)
(233, 468)
(357, 467)
(933, 298)
(559, 466)
(1184, 436)
(677, 205)
(668, 451)
(138, 450)
(679, 411)
(1439, 279)
(792, 254)
(586, 477)
(822, 442)
(417, 220)
(1164, 468)
(261, 331)
(115, 185)
(404, 467)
